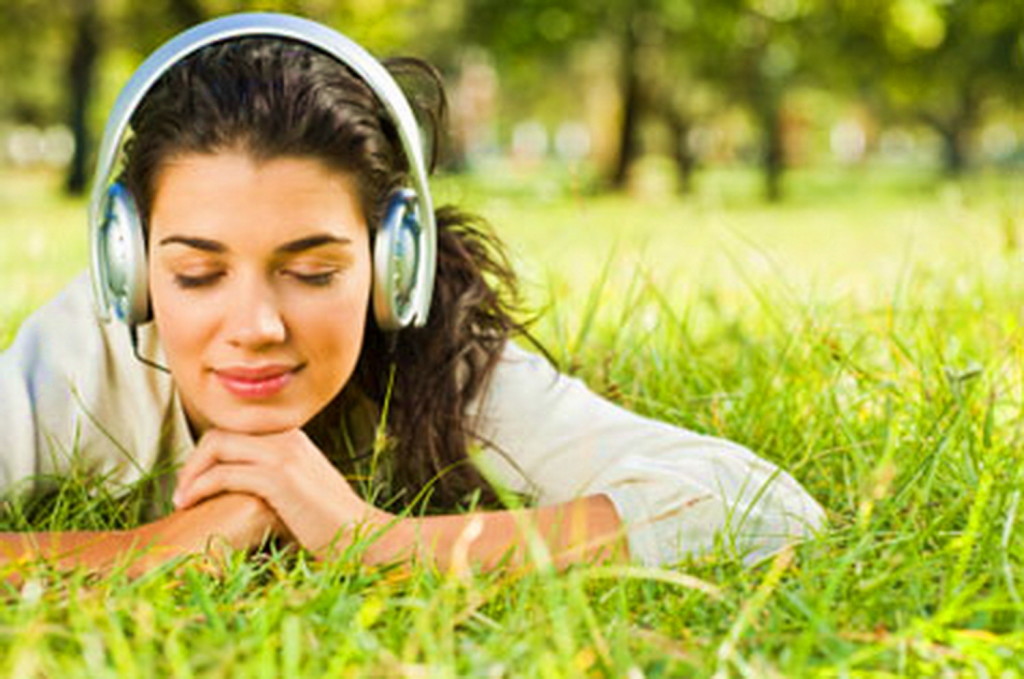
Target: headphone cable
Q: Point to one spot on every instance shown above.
(133, 332)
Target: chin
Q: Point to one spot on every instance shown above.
(259, 421)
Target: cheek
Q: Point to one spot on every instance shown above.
(181, 325)
(333, 332)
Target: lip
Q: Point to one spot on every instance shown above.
(256, 382)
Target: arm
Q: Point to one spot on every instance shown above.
(28, 546)
(584, 530)
(677, 492)
(236, 520)
(324, 514)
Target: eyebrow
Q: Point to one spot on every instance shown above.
(311, 242)
(292, 247)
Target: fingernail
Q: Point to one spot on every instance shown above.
(176, 498)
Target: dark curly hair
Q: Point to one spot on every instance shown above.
(273, 97)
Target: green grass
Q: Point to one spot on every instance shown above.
(866, 336)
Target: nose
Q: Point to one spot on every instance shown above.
(255, 320)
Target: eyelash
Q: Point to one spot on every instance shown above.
(191, 282)
(316, 280)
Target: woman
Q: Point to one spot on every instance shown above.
(263, 172)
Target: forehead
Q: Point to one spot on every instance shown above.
(231, 196)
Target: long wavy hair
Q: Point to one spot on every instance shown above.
(272, 97)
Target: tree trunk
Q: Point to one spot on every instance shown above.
(773, 152)
(680, 126)
(954, 146)
(629, 132)
(80, 73)
(955, 131)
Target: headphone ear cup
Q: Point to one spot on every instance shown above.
(396, 262)
(121, 253)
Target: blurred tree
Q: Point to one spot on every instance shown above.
(631, 37)
(663, 58)
(81, 76)
(935, 62)
(672, 62)
(31, 49)
(754, 52)
(50, 53)
(48, 65)
(534, 42)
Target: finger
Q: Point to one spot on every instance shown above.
(223, 478)
(201, 458)
(217, 447)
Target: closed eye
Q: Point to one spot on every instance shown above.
(321, 279)
(189, 282)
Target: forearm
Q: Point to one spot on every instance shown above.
(16, 547)
(584, 530)
(235, 520)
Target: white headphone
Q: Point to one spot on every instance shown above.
(405, 242)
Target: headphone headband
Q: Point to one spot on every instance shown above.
(302, 31)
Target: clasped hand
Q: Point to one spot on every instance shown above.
(311, 498)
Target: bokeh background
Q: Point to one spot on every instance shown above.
(832, 142)
(629, 93)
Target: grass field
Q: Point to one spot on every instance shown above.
(867, 336)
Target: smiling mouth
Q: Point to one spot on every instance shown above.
(257, 383)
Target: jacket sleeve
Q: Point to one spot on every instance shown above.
(73, 399)
(677, 492)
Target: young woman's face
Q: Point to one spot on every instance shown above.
(260, 280)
